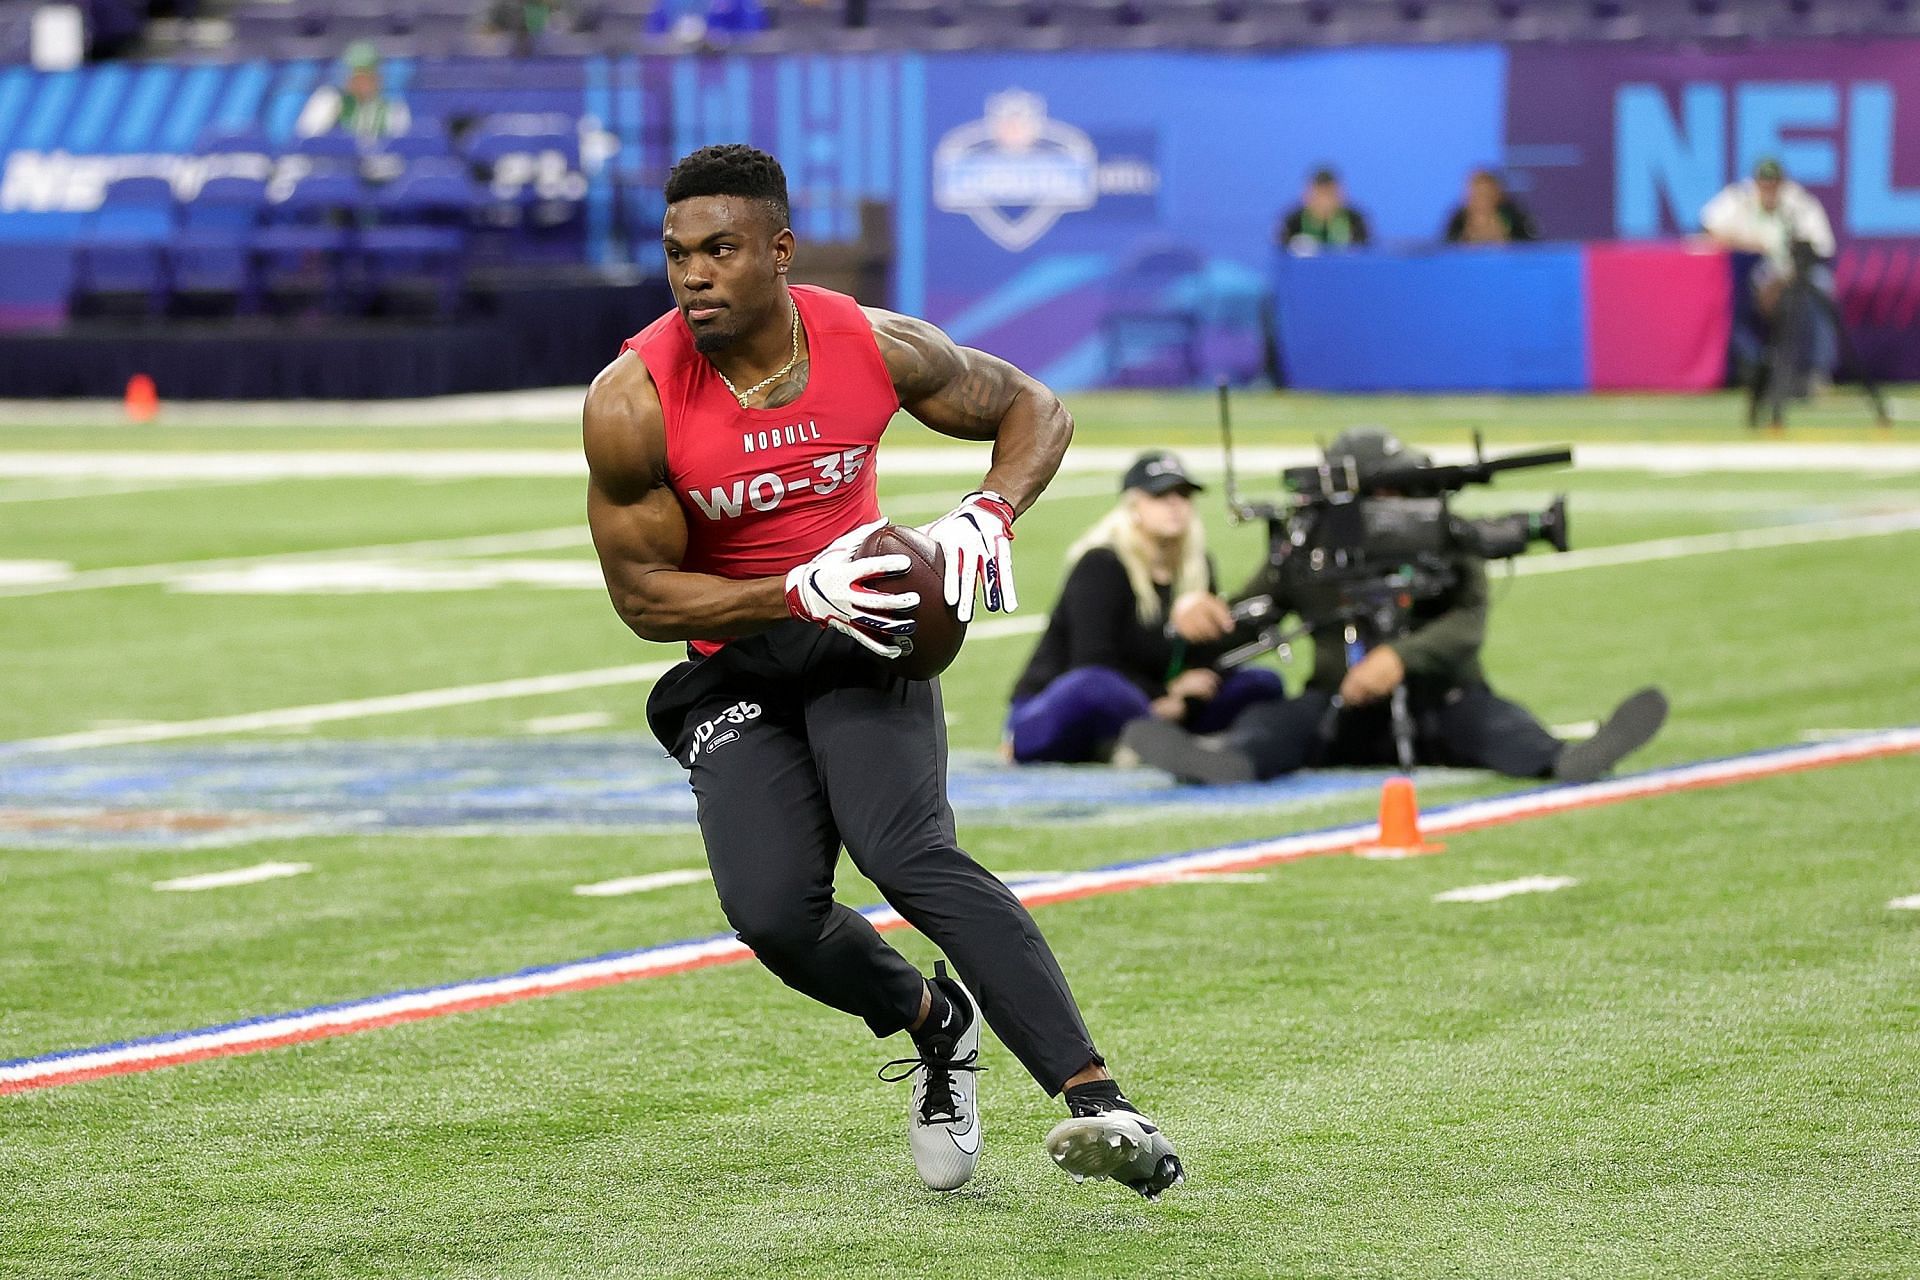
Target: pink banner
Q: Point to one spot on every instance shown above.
(1658, 317)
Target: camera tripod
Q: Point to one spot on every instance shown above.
(1786, 362)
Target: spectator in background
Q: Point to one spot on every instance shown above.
(1323, 219)
(1137, 631)
(1490, 215)
(361, 107)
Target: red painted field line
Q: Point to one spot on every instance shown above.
(1549, 803)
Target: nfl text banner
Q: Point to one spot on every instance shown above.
(1609, 143)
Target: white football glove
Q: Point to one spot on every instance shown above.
(977, 536)
(829, 591)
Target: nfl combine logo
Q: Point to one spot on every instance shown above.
(1017, 171)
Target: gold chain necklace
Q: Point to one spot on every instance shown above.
(781, 372)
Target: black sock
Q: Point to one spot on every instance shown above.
(946, 1018)
(1097, 1096)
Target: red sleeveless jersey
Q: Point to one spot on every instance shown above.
(766, 489)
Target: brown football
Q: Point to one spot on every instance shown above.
(938, 631)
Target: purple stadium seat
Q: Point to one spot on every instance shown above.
(825, 21)
(307, 236)
(563, 44)
(365, 22)
(260, 26)
(250, 140)
(335, 147)
(1086, 21)
(421, 233)
(911, 24)
(1187, 23)
(426, 140)
(1462, 21)
(16, 33)
(209, 254)
(122, 247)
(505, 135)
(1894, 18)
(1270, 24)
(1011, 24)
(1544, 19)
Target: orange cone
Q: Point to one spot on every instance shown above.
(1399, 824)
(143, 399)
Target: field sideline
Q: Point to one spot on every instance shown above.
(1686, 1052)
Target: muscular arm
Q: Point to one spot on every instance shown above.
(971, 395)
(640, 530)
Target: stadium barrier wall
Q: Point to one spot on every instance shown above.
(1601, 317)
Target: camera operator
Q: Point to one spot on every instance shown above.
(1781, 221)
(1345, 715)
(1118, 646)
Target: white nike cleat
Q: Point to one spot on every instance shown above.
(1117, 1143)
(943, 1117)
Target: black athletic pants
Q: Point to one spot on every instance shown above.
(1466, 725)
(797, 743)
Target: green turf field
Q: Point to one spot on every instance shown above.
(1698, 1060)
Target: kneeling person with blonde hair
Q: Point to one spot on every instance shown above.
(1138, 631)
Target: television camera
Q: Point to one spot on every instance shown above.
(1352, 548)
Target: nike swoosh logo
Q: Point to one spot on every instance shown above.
(968, 1141)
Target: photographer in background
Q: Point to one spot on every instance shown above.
(1128, 638)
(1344, 716)
(1323, 219)
(1769, 214)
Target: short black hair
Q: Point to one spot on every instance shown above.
(1325, 176)
(731, 169)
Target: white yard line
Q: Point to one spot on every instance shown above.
(352, 709)
(1254, 462)
(643, 884)
(565, 537)
(227, 879)
(421, 700)
(1792, 535)
(993, 628)
(56, 490)
(1506, 889)
(537, 405)
(576, 722)
(561, 538)
(1909, 903)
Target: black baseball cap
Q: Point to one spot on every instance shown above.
(1159, 472)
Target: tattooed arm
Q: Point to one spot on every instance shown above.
(971, 395)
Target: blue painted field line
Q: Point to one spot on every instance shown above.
(274, 1030)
